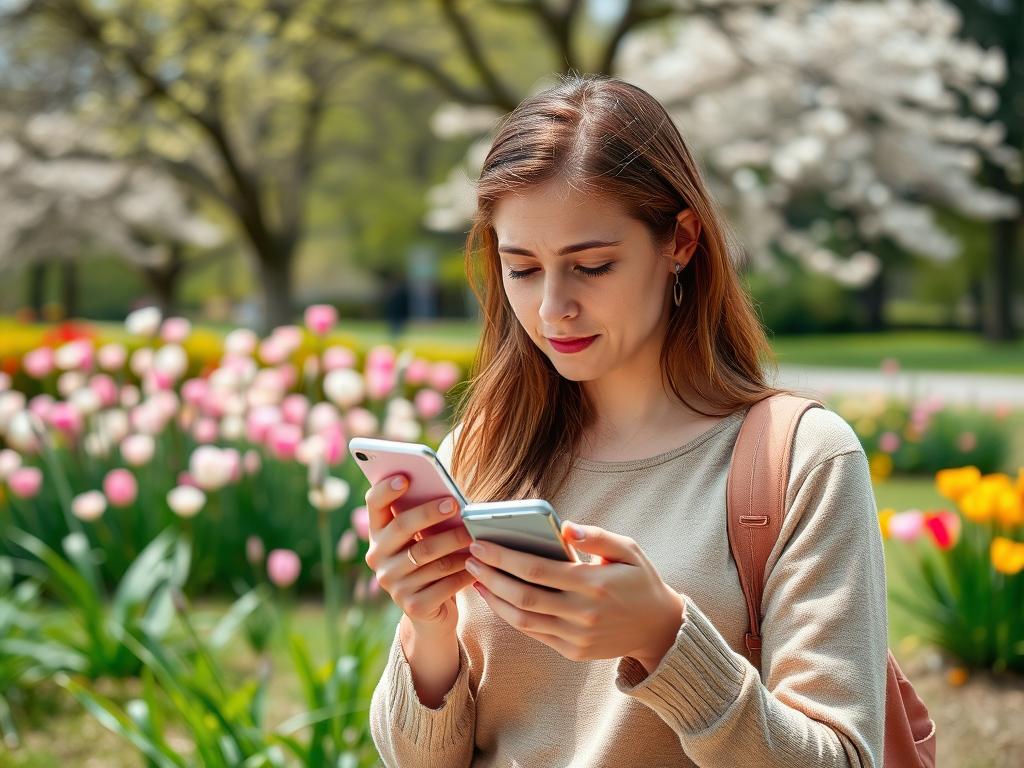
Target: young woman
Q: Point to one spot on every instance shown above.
(619, 355)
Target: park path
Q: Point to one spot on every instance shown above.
(986, 390)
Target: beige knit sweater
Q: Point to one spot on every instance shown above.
(818, 701)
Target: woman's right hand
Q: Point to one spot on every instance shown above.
(425, 592)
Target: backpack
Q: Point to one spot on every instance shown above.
(760, 465)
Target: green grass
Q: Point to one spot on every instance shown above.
(917, 350)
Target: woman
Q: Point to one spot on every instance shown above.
(618, 357)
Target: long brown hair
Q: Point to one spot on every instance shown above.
(522, 423)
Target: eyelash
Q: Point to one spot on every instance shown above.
(604, 269)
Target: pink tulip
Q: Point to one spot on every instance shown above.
(175, 330)
(361, 522)
(129, 396)
(254, 550)
(379, 382)
(252, 462)
(336, 357)
(289, 376)
(233, 460)
(381, 358)
(38, 363)
(348, 546)
(320, 318)
(890, 366)
(906, 526)
(966, 442)
(272, 351)
(417, 372)
(240, 341)
(105, 388)
(73, 356)
(194, 391)
(889, 442)
(185, 480)
(295, 408)
(260, 420)
(205, 430)
(333, 436)
(429, 403)
(283, 439)
(25, 482)
(271, 379)
(283, 567)
(112, 356)
(311, 367)
(66, 418)
(361, 423)
(9, 461)
(444, 375)
(121, 487)
(154, 381)
(5, 381)
(141, 360)
(290, 336)
(138, 449)
(41, 405)
(944, 528)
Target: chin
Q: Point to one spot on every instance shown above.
(574, 371)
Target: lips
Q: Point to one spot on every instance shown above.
(569, 345)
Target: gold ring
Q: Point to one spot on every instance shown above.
(411, 558)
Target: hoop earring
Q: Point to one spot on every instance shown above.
(677, 289)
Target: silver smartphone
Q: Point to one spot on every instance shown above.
(529, 525)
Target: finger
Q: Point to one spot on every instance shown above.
(425, 604)
(531, 568)
(418, 578)
(405, 525)
(528, 622)
(440, 545)
(381, 496)
(610, 547)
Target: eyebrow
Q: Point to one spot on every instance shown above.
(586, 245)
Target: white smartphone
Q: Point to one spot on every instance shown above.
(529, 525)
(428, 479)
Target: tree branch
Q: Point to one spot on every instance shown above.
(636, 13)
(557, 23)
(500, 95)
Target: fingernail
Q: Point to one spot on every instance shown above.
(479, 588)
(398, 483)
(476, 549)
(576, 532)
(446, 507)
(473, 567)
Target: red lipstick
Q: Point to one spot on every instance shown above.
(569, 345)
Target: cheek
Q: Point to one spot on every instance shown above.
(520, 298)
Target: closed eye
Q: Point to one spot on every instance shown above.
(604, 269)
(515, 274)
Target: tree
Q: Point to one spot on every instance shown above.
(61, 191)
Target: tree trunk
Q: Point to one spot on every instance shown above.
(37, 287)
(874, 303)
(69, 287)
(997, 310)
(276, 284)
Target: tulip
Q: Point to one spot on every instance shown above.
(361, 522)
(310, 367)
(379, 382)
(232, 428)
(361, 423)
(992, 495)
(175, 330)
(336, 357)
(966, 442)
(195, 391)
(283, 567)
(41, 405)
(344, 387)
(121, 487)
(114, 425)
(417, 372)
(254, 550)
(1007, 555)
(906, 526)
(295, 408)
(9, 461)
(89, 506)
(105, 388)
(890, 366)
(112, 356)
(333, 436)
(138, 449)
(944, 528)
(381, 358)
(884, 516)
(75, 355)
(273, 351)
(23, 430)
(444, 375)
(310, 450)
(38, 363)
(96, 445)
(288, 374)
(143, 322)
(69, 382)
(171, 360)
(67, 418)
(210, 469)
(11, 402)
(260, 420)
(321, 415)
(205, 430)
(25, 482)
(348, 546)
(400, 408)
(289, 336)
(184, 478)
(141, 361)
(332, 495)
(130, 396)
(240, 341)
(233, 459)
(889, 442)
(320, 318)
(283, 439)
(242, 368)
(402, 429)
(5, 381)
(185, 500)
(252, 462)
(271, 379)
(86, 401)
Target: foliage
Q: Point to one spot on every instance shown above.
(962, 571)
(927, 436)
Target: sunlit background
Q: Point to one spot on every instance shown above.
(230, 239)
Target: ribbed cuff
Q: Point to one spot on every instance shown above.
(697, 681)
(441, 729)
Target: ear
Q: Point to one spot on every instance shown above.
(687, 235)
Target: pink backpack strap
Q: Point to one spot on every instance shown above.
(756, 496)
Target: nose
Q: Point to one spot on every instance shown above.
(557, 303)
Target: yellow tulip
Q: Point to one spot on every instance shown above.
(988, 499)
(1007, 556)
(956, 483)
(883, 521)
(1009, 507)
(880, 465)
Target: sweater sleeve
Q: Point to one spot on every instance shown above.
(820, 697)
(408, 734)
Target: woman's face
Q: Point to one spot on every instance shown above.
(587, 282)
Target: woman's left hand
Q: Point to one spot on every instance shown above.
(616, 605)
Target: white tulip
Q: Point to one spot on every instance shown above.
(345, 387)
(9, 461)
(138, 449)
(112, 356)
(240, 341)
(96, 445)
(23, 430)
(232, 427)
(209, 467)
(89, 506)
(322, 415)
(332, 495)
(401, 429)
(70, 382)
(400, 408)
(113, 423)
(86, 401)
(171, 360)
(5, 382)
(143, 322)
(11, 402)
(186, 500)
(309, 450)
(141, 361)
(130, 396)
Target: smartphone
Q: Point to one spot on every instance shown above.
(428, 479)
(530, 525)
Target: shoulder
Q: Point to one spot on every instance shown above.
(821, 436)
(446, 450)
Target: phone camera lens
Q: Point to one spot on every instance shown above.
(362, 456)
